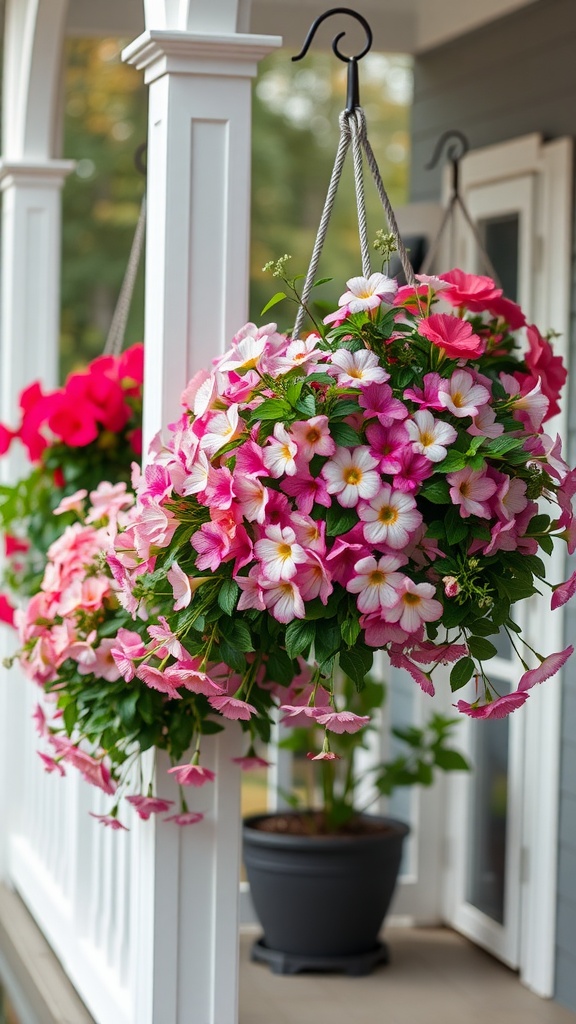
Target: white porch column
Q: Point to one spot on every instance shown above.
(196, 298)
(30, 182)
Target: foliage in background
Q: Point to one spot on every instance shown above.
(295, 132)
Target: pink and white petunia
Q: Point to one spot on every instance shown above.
(252, 497)
(313, 437)
(191, 774)
(147, 805)
(356, 369)
(416, 605)
(563, 592)
(391, 517)
(283, 600)
(501, 707)
(471, 489)
(351, 475)
(368, 293)
(223, 427)
(461, 395)
(376, 582)
(279, 457)
(306, 490)
(548, 667)
(429, 436)
(279, 553)
(245, 355)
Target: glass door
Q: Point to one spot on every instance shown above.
(500, 844)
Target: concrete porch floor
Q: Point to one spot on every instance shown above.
(435, 977)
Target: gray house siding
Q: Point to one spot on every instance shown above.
(508, 79)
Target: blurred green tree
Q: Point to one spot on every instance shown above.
(295, 134)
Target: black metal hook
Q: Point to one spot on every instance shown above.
(353, 90)
(452, 154)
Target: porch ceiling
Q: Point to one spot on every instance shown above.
(405, 26)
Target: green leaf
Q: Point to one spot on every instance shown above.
(319, 378)
(502, 445)
(294, 390)
(350, 630)
(323, 280)
(538, 524)
(456, 527)
(450, 761)
(228, 596)
(344, 434)
(340, 520)
(70, 717)
(481, 648)
(279, 667)
(299, 636)
(232, 656)
(453, 462)
(461, 673)
(271, 409)
(273, 302)
(546, 543)
(344, 407)
(306, 406)
(328, 640)
(436, 491)
(353, 665)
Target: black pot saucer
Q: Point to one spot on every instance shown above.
(355, 965)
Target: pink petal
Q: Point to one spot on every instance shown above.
(549, 667)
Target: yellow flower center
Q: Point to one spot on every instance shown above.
(387, 515)
(284, 550)
(412, 599)
(313, 435)
(377, 577)
(286, 452)
(427, 439)
(458, 400)
(355, 372)
(352, 476)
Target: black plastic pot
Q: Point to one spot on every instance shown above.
(321, 900)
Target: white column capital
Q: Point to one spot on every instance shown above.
(35, 173)
(159, 52)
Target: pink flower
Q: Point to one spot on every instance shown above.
(453, 335)
(342, 721)
(73, 503)
(484, 424)
(283, 600)
(306, 490)
(252, 497)
(104, 665)
(387, 445)
(355, 369)
(416, 605)
(231, 707)
(470, 488)
(548, 667)
(223, 428)
(378, 400)
(280, 455)
(127, 647)
(250, 762)
(110, 820)
(376, 583)
(212, 543)
(313, 437)
(192, 774)
(451, 586)
(50, 764)
(279, 553)
(412, 471)
(368, 293)
(350, 475)
(391, 517)
(399, 660)
(429, 436)
(157, 680)
(499, 708)
(461, 395)
(252, 595)
(185, 818)
(147, 805)
(471, 290)
(563, 592)
(324, 755)
(546, 367)
(428, 397)
(180, 584)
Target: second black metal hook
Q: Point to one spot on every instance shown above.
(353, 90)
(452, 153)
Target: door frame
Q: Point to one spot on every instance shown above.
(550, 163)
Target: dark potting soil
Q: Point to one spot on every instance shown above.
(314, 824)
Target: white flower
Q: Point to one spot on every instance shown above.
(279, 553)
(391, 518)
(376, 583)
(222, 428)
(350, 475)
(353, 369)
(280, 454)
(368, 293)
(461, 395)
(429, 436)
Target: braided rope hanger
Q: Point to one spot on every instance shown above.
(352, 133)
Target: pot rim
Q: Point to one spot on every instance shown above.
(399, 829)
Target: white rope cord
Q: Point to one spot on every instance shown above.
(352, 130)
(115, 339)
(448, 217)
